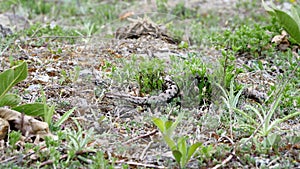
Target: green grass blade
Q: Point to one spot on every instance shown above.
(272, 110)
(237, 96)
(277, 121)
(224, 92)
(171, 129)
(64, 117)
(261, 119)
(192, 149)
(246, 116)
(169, 142)
(182, 147)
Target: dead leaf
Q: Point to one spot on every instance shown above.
(281, 40)
(26, 124)
(3, 128)
(143, 27)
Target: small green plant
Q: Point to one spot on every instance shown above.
(146, 72)
(78, 141)
(14, 137)
(245, 39)
(149, 75)
(207, 151)
(183, 12)
(162, 5)
(183, 152)
(273, 140)
(55, 52)
(265, 124)
(69, 77)
(48, 31)
(183, 45)
(89, 29)
(180, 149)
(229, 70)
(99, 161)
(269, 144)
(199, 70)
(192, 78)
(231, 99)
(290, 21)
(10, 78)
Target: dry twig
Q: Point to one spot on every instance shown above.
(141, 136)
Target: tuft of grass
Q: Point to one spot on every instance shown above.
(146, 72)
(254, 40)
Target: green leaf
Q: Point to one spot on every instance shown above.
(11, 77)
(64, 117)
(168, 124)
(268, 9)
(237, 96)
(270, 113)
(32, 109)
(289, 24)
(177, 156)
(293, 139)
(246, 116)
(160, 124)
(48, 113)
(182, 147)
(10, 100)
(169, 142)
(171, 129)
(273, 139)
(277, 121)
(261, 118)
(295, 15)
(192, 149)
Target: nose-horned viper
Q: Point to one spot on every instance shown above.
(172, 91)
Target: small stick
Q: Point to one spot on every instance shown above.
(19, 156)
(145, 150)
(224, 162)
(141, 136)
(229, 157)
(140, 164)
